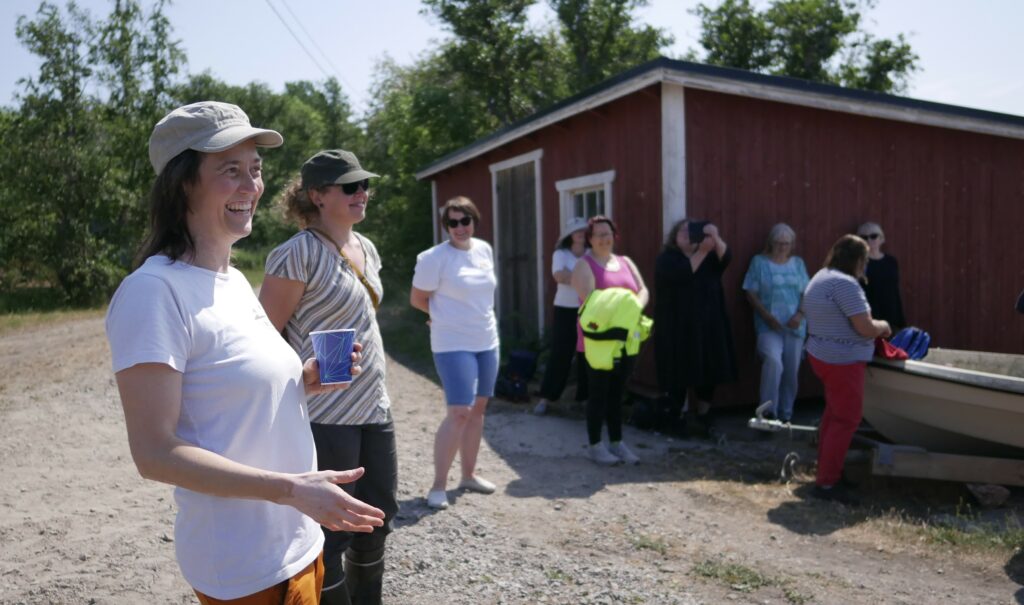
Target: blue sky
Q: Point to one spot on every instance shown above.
(969, 51)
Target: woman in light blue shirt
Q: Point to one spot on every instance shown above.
(774, 285)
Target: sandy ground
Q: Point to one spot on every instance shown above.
(696, 522)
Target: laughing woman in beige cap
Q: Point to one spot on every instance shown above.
(327, 277)
(214, 399)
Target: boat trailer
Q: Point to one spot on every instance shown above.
(894, 460)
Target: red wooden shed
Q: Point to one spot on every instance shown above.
(671, 139)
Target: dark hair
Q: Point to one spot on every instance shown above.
(670, 240)
(295, 204)
(847, 254)
(595, 220)
(168, 209)
(460, 203)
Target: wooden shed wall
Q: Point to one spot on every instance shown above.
(950, 202)
(623, 135)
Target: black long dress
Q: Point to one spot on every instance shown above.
(883, 291)
(692, 338)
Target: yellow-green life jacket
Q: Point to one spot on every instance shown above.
(613, 324)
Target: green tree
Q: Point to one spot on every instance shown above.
(603, 39)
(819, 40)
(74, 162)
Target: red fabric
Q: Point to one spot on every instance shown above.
(887, 350)
(844, 407)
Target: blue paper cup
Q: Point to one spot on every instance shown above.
(333, 350)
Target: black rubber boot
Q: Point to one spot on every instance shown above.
(335, 590)
(364, 576)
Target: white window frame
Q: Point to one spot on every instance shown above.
(567, 188)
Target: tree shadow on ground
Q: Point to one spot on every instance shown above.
(1015, 571)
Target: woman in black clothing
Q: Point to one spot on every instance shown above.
(692, 339)
(882, 283)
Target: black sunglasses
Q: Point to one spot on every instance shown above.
(455, 222)
(352, 188)
(872, 236)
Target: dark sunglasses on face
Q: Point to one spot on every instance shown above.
(455, 222)
(352, 188)
(871, 236)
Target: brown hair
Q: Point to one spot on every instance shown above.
(670, 241)
(459, 203)
(848, 254)
(596, 220)
(295, 204)
(168, 209)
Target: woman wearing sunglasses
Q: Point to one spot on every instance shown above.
(454, 283)
(327, 277)
(882, 279)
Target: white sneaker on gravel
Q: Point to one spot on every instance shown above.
(437, 499)
(599, 453)
(541, 408)
(478, 485)
(619, 449)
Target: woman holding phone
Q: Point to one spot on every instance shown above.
(693, 346)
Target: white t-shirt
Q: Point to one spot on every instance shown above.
(242, 398)
(462, 283)
(565, 295)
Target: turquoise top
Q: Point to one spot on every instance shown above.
(779, 288)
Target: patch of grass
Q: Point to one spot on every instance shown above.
(16, 321)
(404, 329)
(734, 575)
(251, 263)
(964, 529)
(645, 542)
(794, 596)
(557, 575)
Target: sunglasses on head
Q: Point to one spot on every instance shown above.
(352, 188)
(455, 222)
(871, 236)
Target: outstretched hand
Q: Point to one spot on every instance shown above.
(318, 496)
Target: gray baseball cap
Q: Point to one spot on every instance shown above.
(332, 167)
(208, 126)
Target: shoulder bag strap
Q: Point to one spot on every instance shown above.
(355, 269)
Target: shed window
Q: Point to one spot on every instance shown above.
(587, 203)
(585, 196)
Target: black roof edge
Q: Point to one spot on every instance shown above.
(741, 75)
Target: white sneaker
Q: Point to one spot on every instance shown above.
(599, 453)
(619, 449)
(541, 408)
(478, 485)
(437, 499)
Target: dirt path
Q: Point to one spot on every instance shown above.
(695, 523)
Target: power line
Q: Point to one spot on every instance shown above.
(312, 39)
(298, 40)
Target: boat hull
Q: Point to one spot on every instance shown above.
(948, 404)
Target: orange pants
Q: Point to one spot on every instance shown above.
(301, 589)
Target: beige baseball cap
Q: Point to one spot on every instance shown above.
(208, 126)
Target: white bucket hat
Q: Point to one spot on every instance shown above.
(572, 226)
(207, 126)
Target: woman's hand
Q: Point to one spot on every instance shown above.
(795, 321)
(318, 496)
(311, 373)
(773, 323)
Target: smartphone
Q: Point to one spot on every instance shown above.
(696, 231)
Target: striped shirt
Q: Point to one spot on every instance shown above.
(334, 299)
(831, 298)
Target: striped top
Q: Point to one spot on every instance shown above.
(334, 299)
(831, 298)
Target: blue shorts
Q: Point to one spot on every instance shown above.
(466, 375)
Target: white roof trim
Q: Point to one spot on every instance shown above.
(767, 92)
(605, 96)
(875, 109)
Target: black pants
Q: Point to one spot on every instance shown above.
(605, 402)
(371, 446)
(563, 350)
